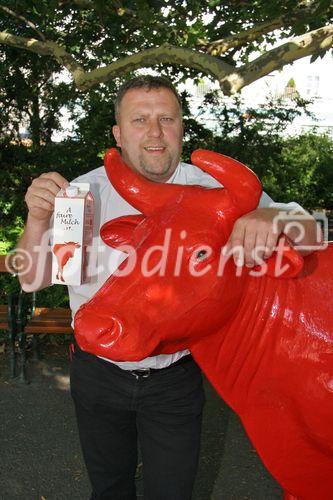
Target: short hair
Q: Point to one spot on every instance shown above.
(144, 82)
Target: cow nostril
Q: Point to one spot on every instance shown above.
(111, 333)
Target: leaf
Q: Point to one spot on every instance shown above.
(320, 55)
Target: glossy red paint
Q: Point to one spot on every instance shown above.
(266, 344)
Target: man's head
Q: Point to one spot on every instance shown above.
(149, 127)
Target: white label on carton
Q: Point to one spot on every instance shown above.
(72, 234)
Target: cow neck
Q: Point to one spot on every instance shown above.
(240, 350)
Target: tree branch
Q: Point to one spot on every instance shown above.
(310, 43)
(219, 47)
(231, 79)
(157, 55)
(45, 49)
(22, 18)
(146, 58)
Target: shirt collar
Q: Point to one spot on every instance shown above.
(173, 178)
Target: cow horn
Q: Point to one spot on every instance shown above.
(142, 194)
(242, 185)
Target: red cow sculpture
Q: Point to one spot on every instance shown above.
(266, 344)
(64, 252)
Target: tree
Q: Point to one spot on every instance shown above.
(97, 41)
(29, 94)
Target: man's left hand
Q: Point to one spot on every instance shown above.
(254, 236)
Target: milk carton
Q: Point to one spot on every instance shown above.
(72, 234)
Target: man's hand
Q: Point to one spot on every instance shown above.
(34, 243)
(41, 194)
(254, 237)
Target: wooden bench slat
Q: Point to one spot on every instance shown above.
(56, 312)
(3, 268)
(6, 263)
(49, 320)
(48, 329)
(44, 320)
(3, 317)
(47, 324)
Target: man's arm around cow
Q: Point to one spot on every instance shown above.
(255, 232)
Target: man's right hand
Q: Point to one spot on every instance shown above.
(41, 194)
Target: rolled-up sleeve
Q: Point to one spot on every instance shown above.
(267, 202)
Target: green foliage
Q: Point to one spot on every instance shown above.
(297, 168)
(10, 234)
(30, 94)
(306, 163)
(53, 296)
(8, 285)
(95, 118)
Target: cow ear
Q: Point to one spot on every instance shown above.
(118, 232)
(285, 262)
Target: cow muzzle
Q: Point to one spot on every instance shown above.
(97, 334)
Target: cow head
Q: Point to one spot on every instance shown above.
(160, 302)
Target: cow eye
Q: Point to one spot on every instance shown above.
(201, 255)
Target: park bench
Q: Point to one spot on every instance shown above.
(34, 321)
(21, 317)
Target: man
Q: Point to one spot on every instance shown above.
(157, 400)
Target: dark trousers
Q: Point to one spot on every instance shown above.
(114, 409)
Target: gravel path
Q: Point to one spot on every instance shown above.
(40, 454)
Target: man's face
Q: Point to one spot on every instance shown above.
(150, 132)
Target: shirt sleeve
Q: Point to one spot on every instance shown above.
(267, 202)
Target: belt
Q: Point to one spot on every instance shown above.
(147, 372)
